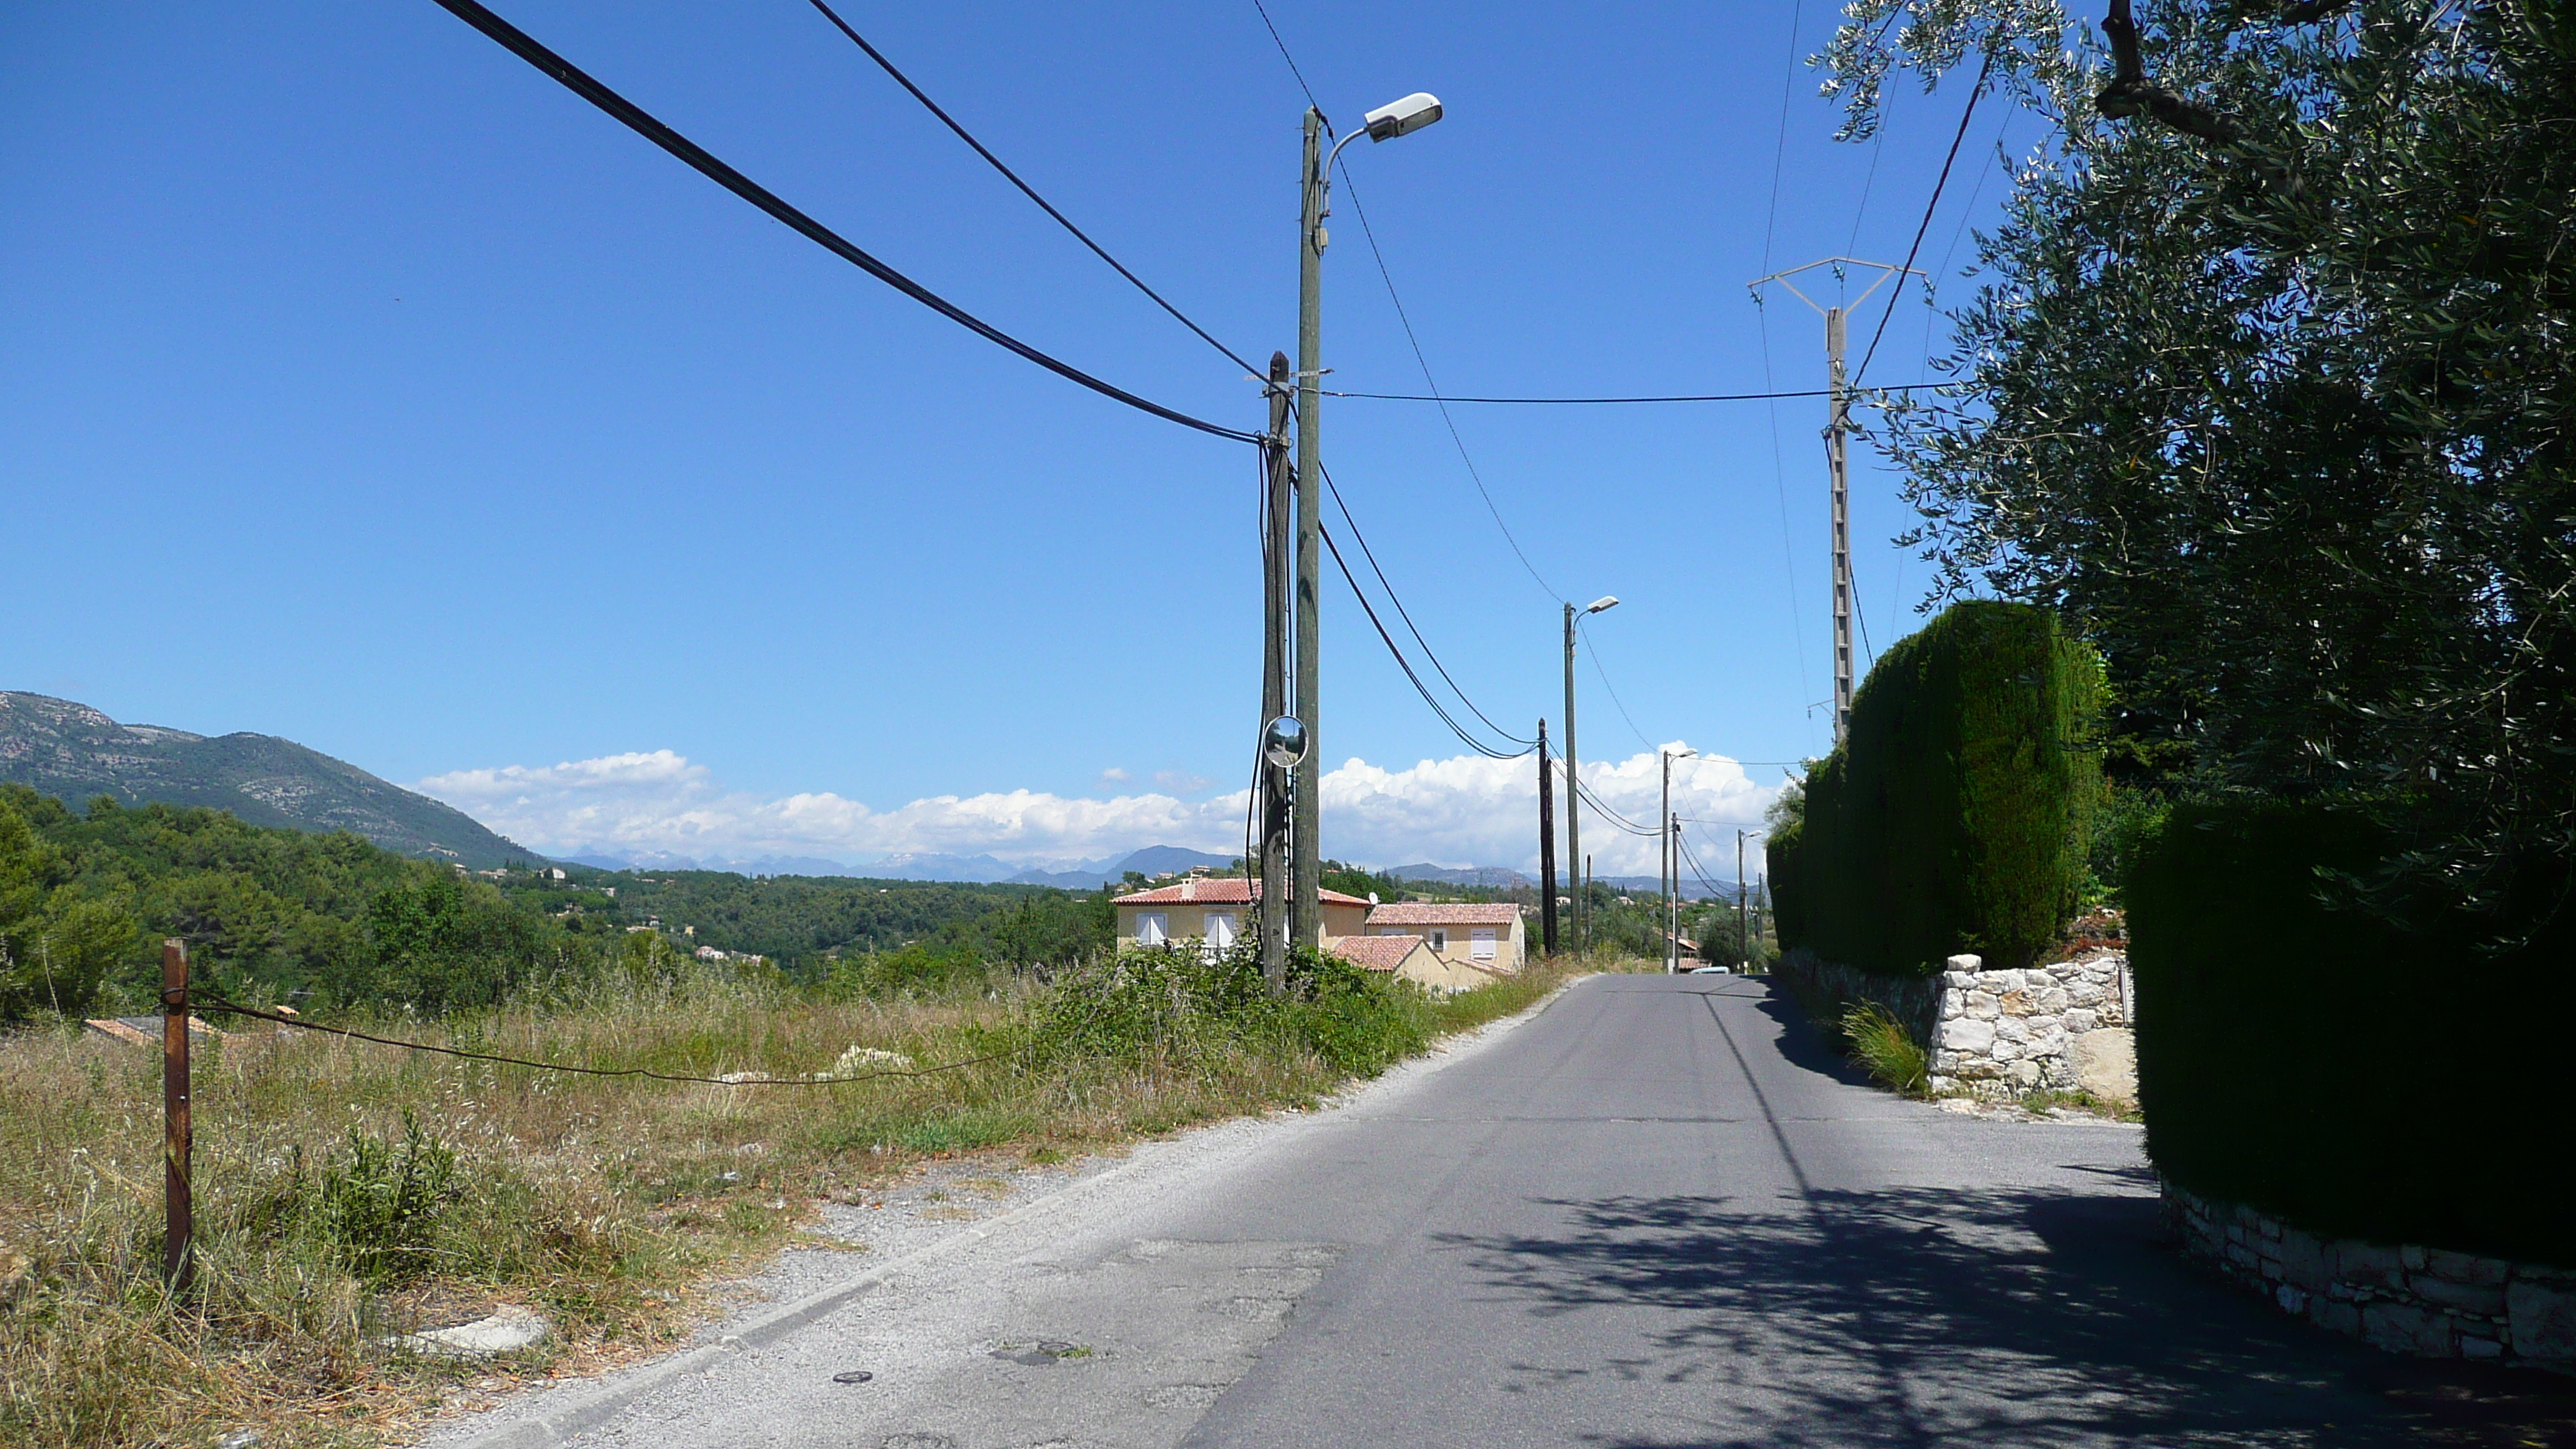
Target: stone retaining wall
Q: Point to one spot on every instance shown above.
(1998, 1033)
(2060, 1026)
(2405, 1299)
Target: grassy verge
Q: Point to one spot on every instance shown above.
(347, 1191)
(1885, 1049)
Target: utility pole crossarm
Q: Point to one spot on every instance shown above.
(1837, 460)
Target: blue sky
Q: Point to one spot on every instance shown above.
(362, 386)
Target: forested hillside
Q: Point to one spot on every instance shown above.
(335, 922)
(75, 753)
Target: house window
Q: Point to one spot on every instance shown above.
(1153, 928)
(1480, 943)
(1220, 930)
(1438, 939)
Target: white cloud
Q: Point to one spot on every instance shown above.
(1115, 775)
(1461, 811)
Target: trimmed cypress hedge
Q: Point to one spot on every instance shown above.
(2354, 1076)
(1955, 816)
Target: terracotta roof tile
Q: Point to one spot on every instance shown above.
(1373, 953)
(1443, 913)
(1232, 890)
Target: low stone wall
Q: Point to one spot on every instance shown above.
(1825, 988)
(2060, 1026)
(2405, 1299)
(1997, 1033)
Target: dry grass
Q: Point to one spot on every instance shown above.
(612, 1205)
(1881, 1044)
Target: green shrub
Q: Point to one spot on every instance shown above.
(1957, 813)
(376, 1208)
(2355, 1076)
(1178, 1003)
(1879, 1042)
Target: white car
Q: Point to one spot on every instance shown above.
(1710, 971)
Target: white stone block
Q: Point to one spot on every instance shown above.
(1965, 1034)
(1967, 963)
(2053, 1000)
(2079, 1021)
(2004, 1051)
(2106, 1063)
(2011, 1028)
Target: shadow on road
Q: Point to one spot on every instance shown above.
(1920, 1316)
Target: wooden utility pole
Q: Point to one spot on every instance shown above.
(1837, 427)
(1305, 913)
(179, 1212)
(1273, 909)
(1546, 847)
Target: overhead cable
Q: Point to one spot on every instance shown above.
(1934, 205)
(1292, 65)
(1407, 615)
(1473, 743)
(635, 118)
(1762, 321)
(1615, 818)
(1676, 398)
(1370, 233)
(1025, 189)
(1595, 655)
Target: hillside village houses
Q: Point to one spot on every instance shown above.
(1442, 946)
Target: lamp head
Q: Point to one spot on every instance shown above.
(1400, 118)
(1283, 744)
(1606, 601)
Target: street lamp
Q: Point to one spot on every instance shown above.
(1672, 867)
(1573, 793)
(1383, 124)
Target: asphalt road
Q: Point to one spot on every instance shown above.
(1654, 1214)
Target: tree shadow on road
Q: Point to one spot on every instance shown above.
(1916, 1316)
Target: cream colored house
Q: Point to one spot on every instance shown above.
(1462, 934)
(1216, 911)
(1410, 958)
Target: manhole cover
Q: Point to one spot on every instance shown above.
(854, 1376)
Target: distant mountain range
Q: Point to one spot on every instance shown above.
(1152, 860)
(1469, 875)
(76, 753)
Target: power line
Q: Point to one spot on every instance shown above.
(1407, 615)
(635, 118)
(1595, 655)
(1762, 321)
(1898, 290)
(1705, 397)
(1615, 818)
(1292, 65)
(1370, 233)
(1479, 746)
(1025, 189)
(1681, 838)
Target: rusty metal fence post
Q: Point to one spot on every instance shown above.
(178, 1262)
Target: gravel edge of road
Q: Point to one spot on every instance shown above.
(591, 1410)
